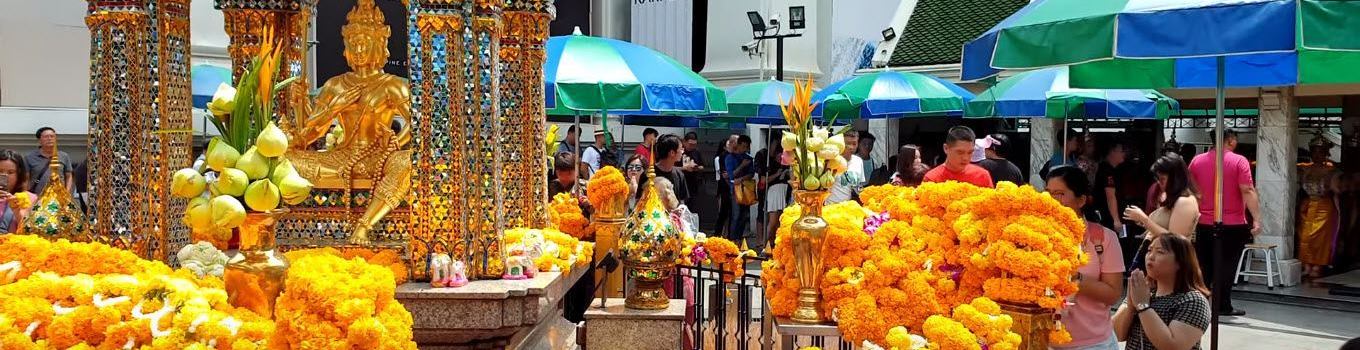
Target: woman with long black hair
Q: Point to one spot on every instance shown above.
(1179, 206)
(1168, 305)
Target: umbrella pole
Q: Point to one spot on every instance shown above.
(764, 218)
(576, 187)
(1218, 207)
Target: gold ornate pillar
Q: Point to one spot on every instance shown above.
(522, 113)
(459, 199)
(140, 122)
(245, 20)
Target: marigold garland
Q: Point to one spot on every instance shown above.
(557, 251)
(66, 258)
(715, 252)
(382, 257)
(606, 185)
(945, 247)
(566, 216)
(332, 303)
(114, 311)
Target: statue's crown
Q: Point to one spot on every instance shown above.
(366, 18)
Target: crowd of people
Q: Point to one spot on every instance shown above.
(30, 174)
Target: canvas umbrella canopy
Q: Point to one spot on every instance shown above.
(592, 74)
(1178, 43)
(890, 95)
(585, 74)
(1045, 93)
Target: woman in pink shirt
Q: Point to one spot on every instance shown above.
(1100, 281)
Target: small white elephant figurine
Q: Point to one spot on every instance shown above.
(457, 275)
(439, 270)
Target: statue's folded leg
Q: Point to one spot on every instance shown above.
(388, 193)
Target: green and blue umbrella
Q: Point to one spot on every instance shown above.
(1175, 44)
(889, 95)
(591, 74)
(1045, 93)
(205, 78)
(759, 103)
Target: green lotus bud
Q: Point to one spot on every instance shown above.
(231, 182)
(223, 101)
(812, 184)
(227, 212)
(828, 180)
(828, 153)
(262, 195)
(821, 133)
(814, 143)
(838, 141)
(187, 183)
(221, 155)
(272, 141)
(282, 170)
(255, 165)
(295, 189)
(198, 215)
(789, 141)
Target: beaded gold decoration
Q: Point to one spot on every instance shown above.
(140, 123)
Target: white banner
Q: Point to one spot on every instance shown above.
(666, 26)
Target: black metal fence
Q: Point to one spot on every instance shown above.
(733, 314)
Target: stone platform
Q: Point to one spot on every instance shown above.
(495, 314)
(617, 327)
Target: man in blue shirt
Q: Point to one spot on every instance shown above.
(739, 167)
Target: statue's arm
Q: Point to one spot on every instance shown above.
(317, 120)
(403, 108)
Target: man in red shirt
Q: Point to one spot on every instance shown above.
(644, 149)
(958, 149)
(1239, 198)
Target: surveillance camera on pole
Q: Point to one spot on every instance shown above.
(760, 31)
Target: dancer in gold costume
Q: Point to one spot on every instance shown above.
(1318, 211)
(365, 102)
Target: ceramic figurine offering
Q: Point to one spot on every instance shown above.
(515, 262)
(456, 275)
(439, 270)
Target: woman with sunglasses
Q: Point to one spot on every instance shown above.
(14, 178)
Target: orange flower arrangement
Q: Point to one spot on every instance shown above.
(382, 257)
(67, 258)
(943, 246)
(332, 303)
(716, 252)
(565, 214)
(606, 186)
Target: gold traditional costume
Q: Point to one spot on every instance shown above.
(364, 102)
(1318, 212)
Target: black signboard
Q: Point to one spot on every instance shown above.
(571, 14)
(330, 46)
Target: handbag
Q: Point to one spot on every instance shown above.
(746, 192)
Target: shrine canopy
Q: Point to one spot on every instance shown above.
(759, 103)
(1045, 93)
(585, 75)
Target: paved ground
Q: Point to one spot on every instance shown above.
(1274, 326)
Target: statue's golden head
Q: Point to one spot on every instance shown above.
(366, 35)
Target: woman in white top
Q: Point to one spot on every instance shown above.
(1178, 213)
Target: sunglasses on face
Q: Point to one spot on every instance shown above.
(634, 167)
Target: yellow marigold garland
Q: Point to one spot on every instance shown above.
(560, 251)
(565, 214)
(606, 185)
(332, 303)
(382, 257)
(65, 258)
(943, 247)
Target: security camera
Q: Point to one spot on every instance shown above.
(750, 46)
(774, 20)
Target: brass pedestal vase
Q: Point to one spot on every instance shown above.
(1031, 322)
(809, 232)
(255, 275)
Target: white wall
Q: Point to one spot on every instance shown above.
(44, 63)
(729, 29)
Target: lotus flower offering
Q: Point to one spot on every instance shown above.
(813, 151)
(246, 168)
